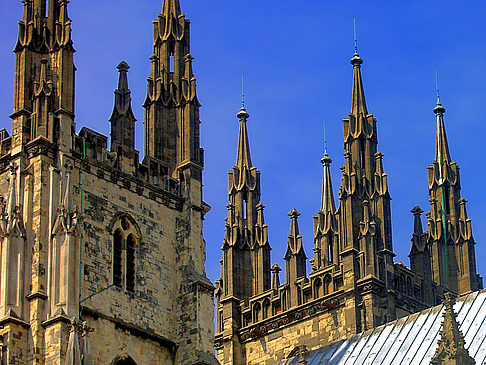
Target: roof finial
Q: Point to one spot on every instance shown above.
(439, 109)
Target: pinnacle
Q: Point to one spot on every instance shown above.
(416, 210)
(293, 213)
(123, 66)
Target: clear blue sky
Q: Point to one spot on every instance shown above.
(295, 58)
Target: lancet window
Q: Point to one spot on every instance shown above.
(125, 240)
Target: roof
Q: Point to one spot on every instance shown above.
(410, 340)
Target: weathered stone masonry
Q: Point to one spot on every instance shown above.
(90, 234)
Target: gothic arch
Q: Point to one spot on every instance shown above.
(118, 218)
(327, 285)
(123, 360)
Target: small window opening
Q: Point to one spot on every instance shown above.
(130, 279)
(221, 322)
(117, 258)
(447, 203)
(362, 153)
(171, 63)
(329, 251)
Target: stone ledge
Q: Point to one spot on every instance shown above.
(12, 319)
(58, 318)
(36, 295)
(133, 329)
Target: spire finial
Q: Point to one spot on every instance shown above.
(326, 161)
(439, 109)
(356, 61)
(325, 140)
(437, 85)
(243, 115)
(242, 92)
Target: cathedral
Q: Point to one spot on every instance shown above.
(102, 256)
(354, 284)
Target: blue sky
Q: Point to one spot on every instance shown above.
(295, 58)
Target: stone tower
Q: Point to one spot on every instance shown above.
(245, 267)
(449, 232)
(354, 284)
(101, 256)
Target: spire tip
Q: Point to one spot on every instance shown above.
(439, 109)
(243, 115)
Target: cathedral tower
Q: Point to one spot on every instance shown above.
(44, 76)
(101, 256)
(172, 107)
(449, 232)
(364, 212)
(245, 266)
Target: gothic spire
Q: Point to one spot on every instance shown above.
(243, 158)
(442, 153)
(123, 100)
(122, 118)
(358, 104)
(327, 201)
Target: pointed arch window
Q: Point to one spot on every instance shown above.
(125, 241)
(123, 360)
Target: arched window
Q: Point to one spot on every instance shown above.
(257, 308)
(125, 238)
(327, 285)
(123, 360)
(266, 308)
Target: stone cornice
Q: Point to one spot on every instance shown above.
(290, 317)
